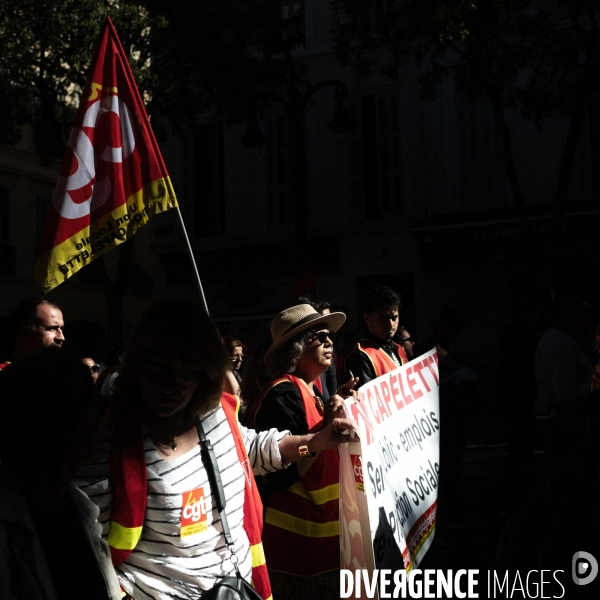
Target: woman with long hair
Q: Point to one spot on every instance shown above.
(157, 505)
(301, 532)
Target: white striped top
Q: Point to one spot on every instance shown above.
(165, 565)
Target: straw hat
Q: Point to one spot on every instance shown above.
(294, 320)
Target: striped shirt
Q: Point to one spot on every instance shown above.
(164, 565)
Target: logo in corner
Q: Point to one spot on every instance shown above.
(585, 568)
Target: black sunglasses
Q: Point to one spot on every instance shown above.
(322, 336)
(154, 370)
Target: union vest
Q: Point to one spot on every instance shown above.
(301, 532)
(128, 476)
(380, 359)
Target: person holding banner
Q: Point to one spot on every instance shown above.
(301, 533)
(157, 507)
(377, 353)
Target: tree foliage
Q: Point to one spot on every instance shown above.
(46, 47)
(534, 53)
(189, 58)
(216, 56)
(540, 56)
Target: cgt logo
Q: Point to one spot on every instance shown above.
(585, 568)
(357, 470)
(194, 512)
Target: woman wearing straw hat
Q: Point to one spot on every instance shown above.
(301, 530)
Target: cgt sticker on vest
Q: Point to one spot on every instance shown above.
(194, 510)
(357, 469)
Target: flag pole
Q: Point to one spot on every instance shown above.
(190, 252)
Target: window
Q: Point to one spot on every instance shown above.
(208, 181)
(4, 215)
(376, 161)
(7, 251)
(594, 143)
(292, 24)
(277, 176)
(482, 183)
(465, 170)
(373, 17)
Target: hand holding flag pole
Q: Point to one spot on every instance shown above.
(113, 177)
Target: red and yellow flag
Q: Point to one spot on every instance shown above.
(112, 179)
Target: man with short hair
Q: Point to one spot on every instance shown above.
(37, 323)
(377, 353)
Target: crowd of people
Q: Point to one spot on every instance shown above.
(103, 487)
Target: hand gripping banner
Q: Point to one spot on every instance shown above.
(389, 480)
(112, 178)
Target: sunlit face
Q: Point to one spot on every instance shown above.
(382, 323)
(317, 354)
(237, 358)
(166, 384)
(407, 343)
(94, 368)
(49, 330)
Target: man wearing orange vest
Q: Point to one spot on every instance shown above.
(377, 353)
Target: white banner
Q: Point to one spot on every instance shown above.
(393, 473)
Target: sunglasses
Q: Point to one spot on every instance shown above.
(322, 336)
(238, 358)
(154, 370)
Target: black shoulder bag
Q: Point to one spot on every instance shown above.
(234, 587)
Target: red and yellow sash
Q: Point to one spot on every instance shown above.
(301, 532)
(128, 476)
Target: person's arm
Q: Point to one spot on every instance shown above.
(273, 450)
(361, 366)
(230, 383)
(330, 436)
(269, 450)
(283, 409)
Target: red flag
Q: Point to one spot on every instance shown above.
(112, 179)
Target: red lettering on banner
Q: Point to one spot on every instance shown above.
(385, 391)
(417, 369)
(417, 393)
(395, 391)
(360, 416)
(430, 361)
(370, 401)
(381, 406)
(437, 359)
(407, 397)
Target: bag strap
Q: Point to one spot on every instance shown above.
(209, 460)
